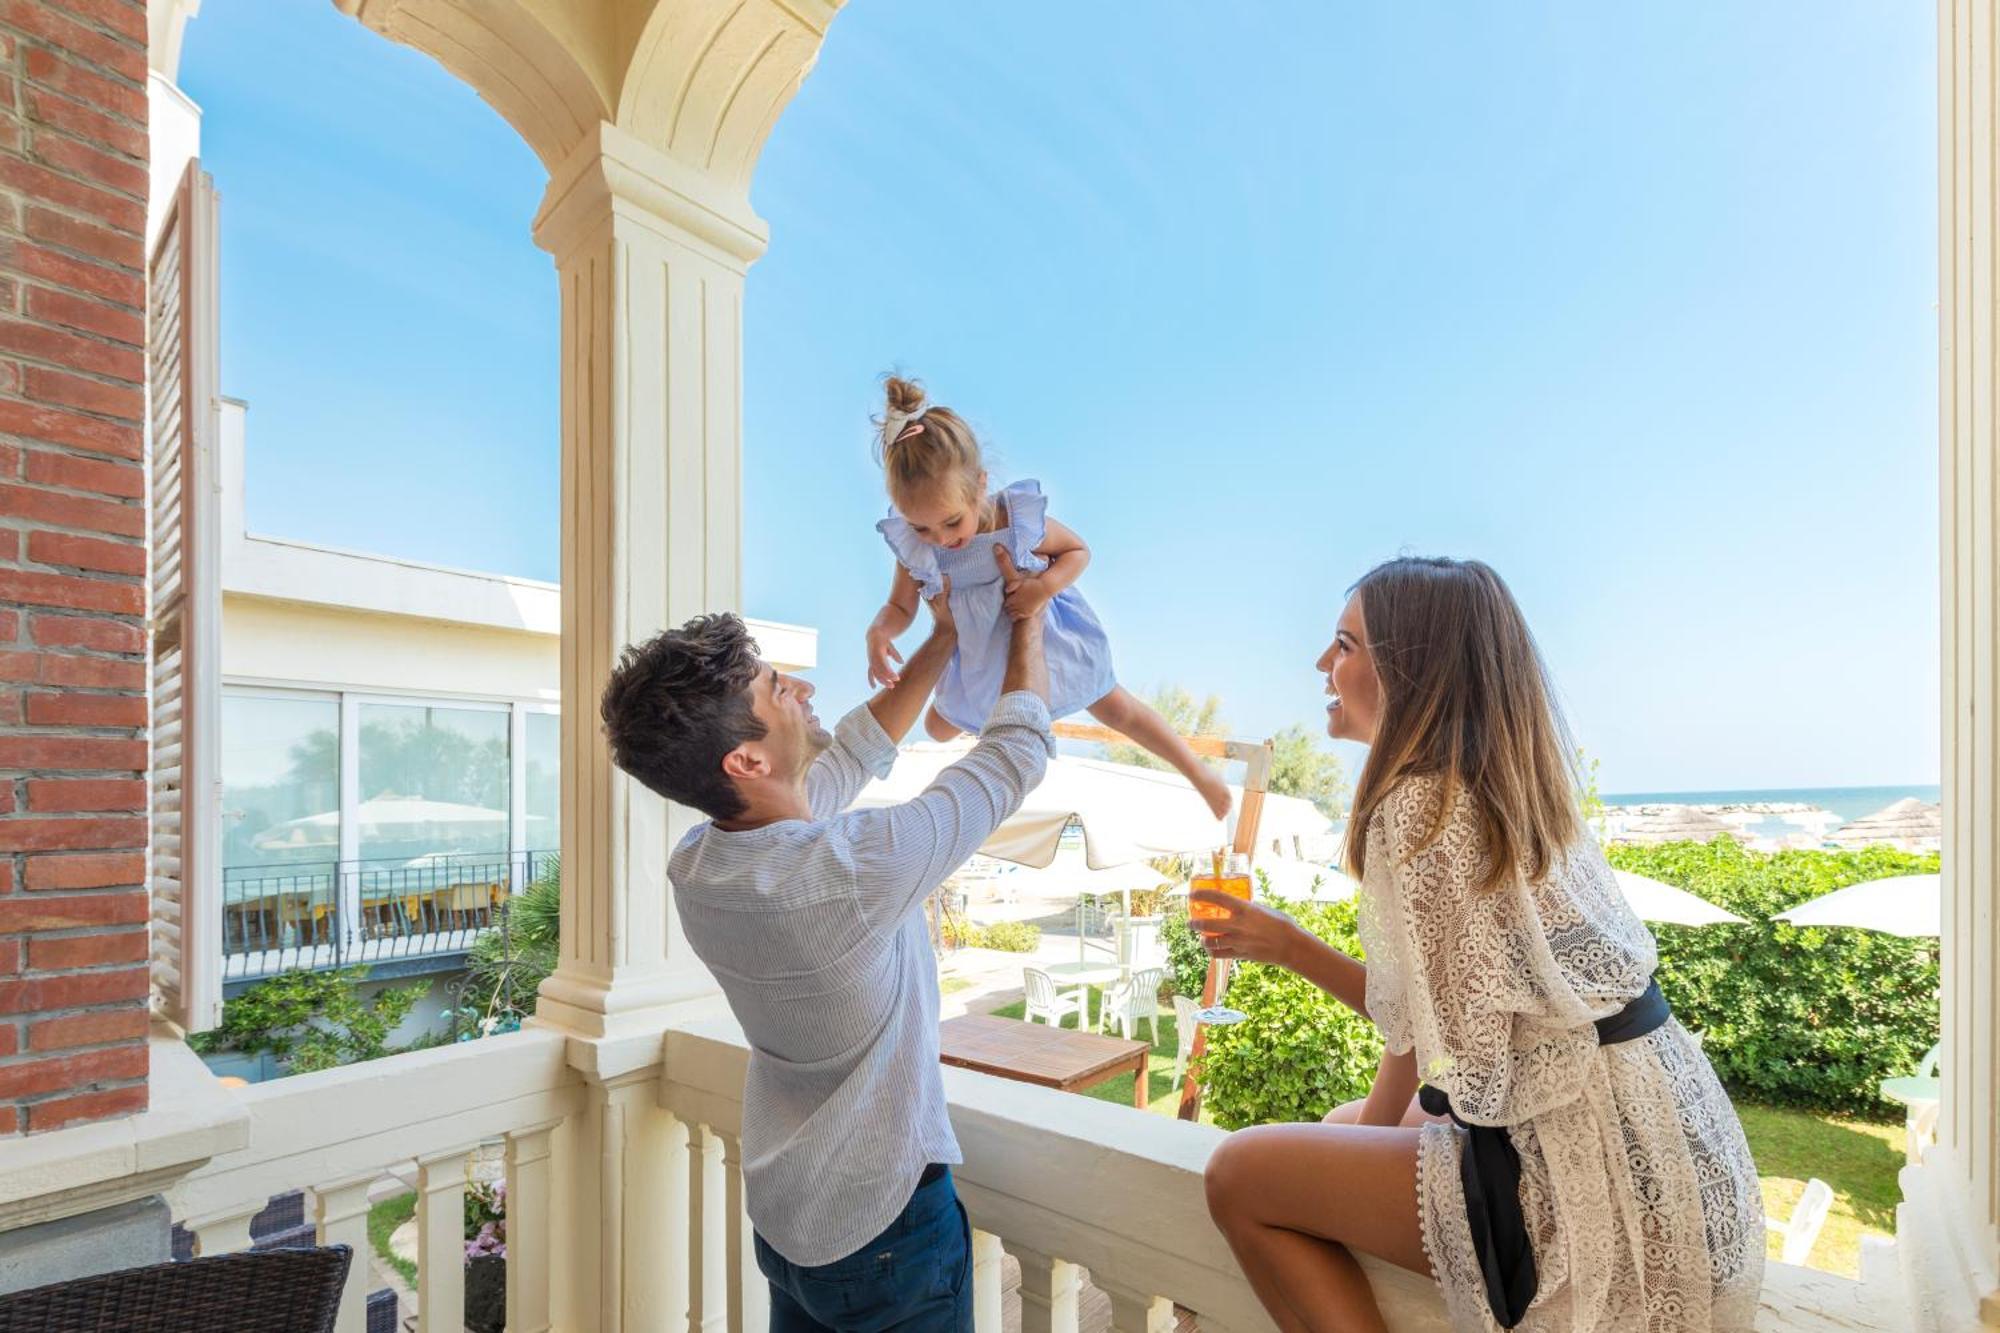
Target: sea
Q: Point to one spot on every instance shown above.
(1847, 802)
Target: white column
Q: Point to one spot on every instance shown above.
(987, 1297)
(651, 256)
(226, 1234)
(1132, 1312)
(1948, 1227)
(750, 1303)
(1050, 1289)
(530, 1235)
(709, 1223)
(340, 1210)
(441, 1240)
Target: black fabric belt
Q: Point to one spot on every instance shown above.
(933, 1173)
(1489, 1169)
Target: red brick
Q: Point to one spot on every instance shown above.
(124, 795)
(10, 953)
(45, 1116)
(123, 401)
(7, 881)
(73, 990)
(127, 18)
(41, 343)
(10, 454)
(68, 835)
(61, 548)
(10, 544)
(93, 164)
(93, 1029)
(10, 1120)
(86, 710)
(6, 798)
(122, 323)
(42, 264)
(35, 1078)
(47, 185)
(25, 666)
(67, 590)
(54, 425)
(10, 709)
(105, 243)
(69, 912)
(86, 872)
(69, 953)
(86, 123)
(72, 754)
(92, 673)
(53, 71)
(10, 1040)
(38, 18)
(10, 626)
(51, 509)
(125, 480)
(105, 636)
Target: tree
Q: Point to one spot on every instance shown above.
(1299, 767)
(1186, 716)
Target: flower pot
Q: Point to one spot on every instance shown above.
(486, 1294)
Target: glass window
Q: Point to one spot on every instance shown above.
(544, 833)
(434, 783)
(280, 784)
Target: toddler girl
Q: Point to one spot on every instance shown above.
(945, 526)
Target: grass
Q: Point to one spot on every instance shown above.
(1859, 1160)
(383, 1219)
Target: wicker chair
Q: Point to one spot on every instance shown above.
(262, 1291)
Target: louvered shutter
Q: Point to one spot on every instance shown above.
(185, 870)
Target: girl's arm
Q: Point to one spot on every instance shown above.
(1067, 556)
(889, 623)
(1389, 1095)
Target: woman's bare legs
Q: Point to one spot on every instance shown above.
(936, 727)
(1267, 1191)
(1125, 712)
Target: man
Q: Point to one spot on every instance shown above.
(811, 918)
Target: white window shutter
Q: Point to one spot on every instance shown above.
(186, 579)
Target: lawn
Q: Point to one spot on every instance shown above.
(383, 1219)
(1860, 1160)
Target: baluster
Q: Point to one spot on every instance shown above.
(1132, 1312)
(223, 1233)
(749, 1292)
(341, 1212)
(987, 1280)
(441, 1241)
(1049, 1291)
(529, 1235)
(708, 1304)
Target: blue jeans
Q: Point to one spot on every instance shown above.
(916, 1277)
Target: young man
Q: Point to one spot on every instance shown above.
(811, 918)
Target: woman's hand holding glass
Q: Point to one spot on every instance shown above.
(1246, 930)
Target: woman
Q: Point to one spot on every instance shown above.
(1579, 1167)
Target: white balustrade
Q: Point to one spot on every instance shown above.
(441, 1240)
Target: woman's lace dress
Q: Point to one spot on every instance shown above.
(1638, 1190)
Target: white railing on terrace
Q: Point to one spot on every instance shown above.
(1080, 1194)
(334, 1134)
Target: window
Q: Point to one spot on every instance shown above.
(435, 782)
(280, 783)
(544, 782)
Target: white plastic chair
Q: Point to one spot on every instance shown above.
(1807, 1219)
(1184, 1028)
(1132, 1001)
(1048, 1003)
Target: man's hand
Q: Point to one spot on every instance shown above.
(941, 621)
(1023, 595)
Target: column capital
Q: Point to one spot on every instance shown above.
(613, 176)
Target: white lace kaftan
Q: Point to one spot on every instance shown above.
(1639, 1195)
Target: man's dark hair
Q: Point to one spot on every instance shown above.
(680, 701)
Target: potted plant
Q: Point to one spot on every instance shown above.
(486, 1256)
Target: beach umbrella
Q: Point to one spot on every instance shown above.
(1302, 880)
(1909, 905)
(1070, 876)
(382, 816)
(1126, 813)
(1650, 900)
(1671, 823)
(1909, 823)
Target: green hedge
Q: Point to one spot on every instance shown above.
(1805, 1017)
(1299, 1052)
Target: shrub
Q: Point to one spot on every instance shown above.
(1006, 936)
(1299, 1052)
(1805, 1017)
(507, 965)
(312, 1020)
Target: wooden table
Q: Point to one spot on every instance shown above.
(1039, 1054)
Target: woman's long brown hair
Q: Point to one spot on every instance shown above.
(1465, 699)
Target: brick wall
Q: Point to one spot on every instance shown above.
(73, 905)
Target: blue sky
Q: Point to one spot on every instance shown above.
(1635, 303)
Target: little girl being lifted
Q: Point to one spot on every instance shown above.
(944, 526)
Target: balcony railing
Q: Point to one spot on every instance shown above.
(328, 914)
